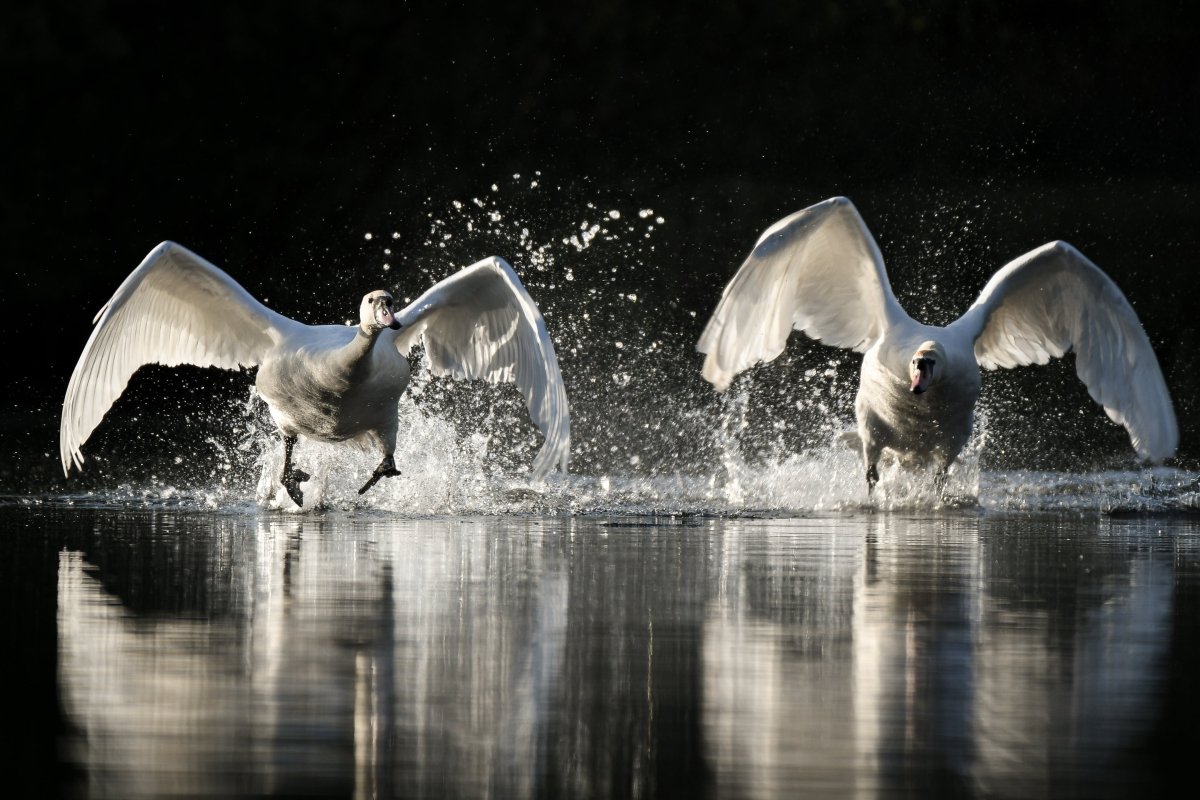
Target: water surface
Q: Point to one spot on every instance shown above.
(978, 653)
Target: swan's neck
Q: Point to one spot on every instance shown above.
(354, 356)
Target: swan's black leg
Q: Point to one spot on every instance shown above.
(872, 479)
(292, 477)
(939, 482)
(386, 469)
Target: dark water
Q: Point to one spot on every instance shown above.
(170, 634)
(180, 653)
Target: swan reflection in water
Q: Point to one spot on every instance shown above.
(522, 656)
(842, 667)
(315, 660)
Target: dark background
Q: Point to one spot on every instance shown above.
(269, 137)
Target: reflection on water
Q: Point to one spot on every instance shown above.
(954, 657)
(875, 655)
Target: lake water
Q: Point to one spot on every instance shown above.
(160, 651)
(706, 607)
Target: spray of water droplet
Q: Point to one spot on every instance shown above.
(649, 436)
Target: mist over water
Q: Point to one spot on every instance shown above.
(648, 434)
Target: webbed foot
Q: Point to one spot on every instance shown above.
(386, 469)
(292, 477)
(291, 481)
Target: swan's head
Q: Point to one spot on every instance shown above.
(375, 313)
(926, 366)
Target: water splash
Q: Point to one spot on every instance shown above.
(649, 435)
(449, 470)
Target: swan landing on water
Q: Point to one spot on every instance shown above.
(326, 382)
(820, 271)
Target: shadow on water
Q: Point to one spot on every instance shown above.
(166, 653)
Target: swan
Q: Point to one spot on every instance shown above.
(820, 271)
(330, 383)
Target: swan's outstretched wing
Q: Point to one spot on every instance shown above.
(817, 271)
(1052, 300)
(481, 323)
(175, 308)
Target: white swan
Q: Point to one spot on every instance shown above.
(326, 382)
(820, 271)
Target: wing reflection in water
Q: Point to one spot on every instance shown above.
(935, 659)
(827, 665)
(340, 662)
(866, 656)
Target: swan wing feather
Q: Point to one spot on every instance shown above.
(1052, 300)
(818, 271)
(175, 308)
(481, 323)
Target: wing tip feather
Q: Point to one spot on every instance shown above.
(72, 457)
(719, 377)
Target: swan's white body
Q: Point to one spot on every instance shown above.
(326, 382)
(821, 272)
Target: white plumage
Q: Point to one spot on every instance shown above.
(481, 324)
(328, 382)
(819, 271)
